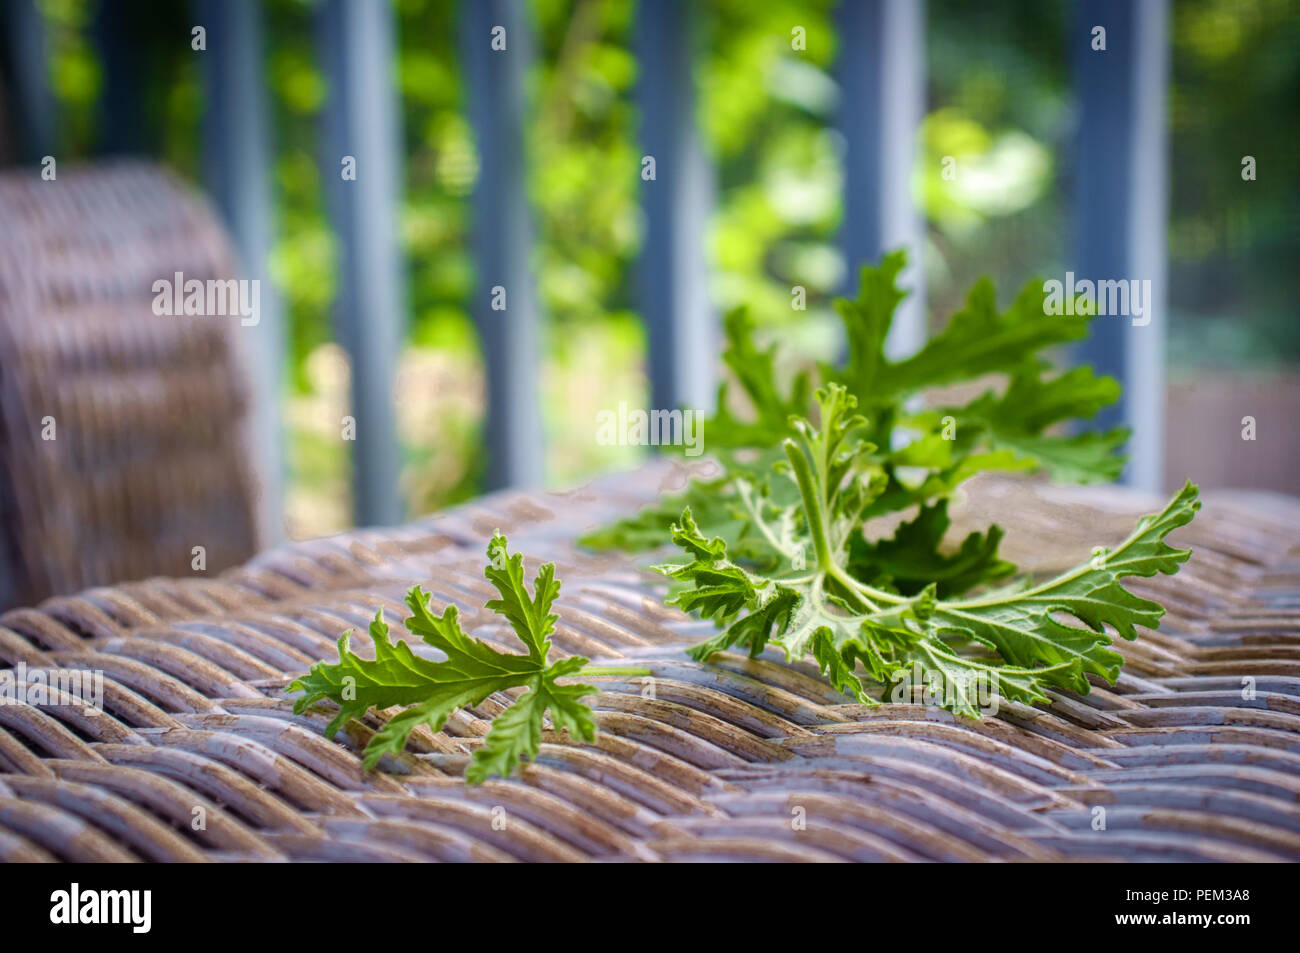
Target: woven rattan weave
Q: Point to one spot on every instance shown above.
(1193, 755)
(120, 430)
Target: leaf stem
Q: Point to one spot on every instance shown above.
(812, 492)
(852, 586)
(595, 670)
(869, 593)
(755, 511)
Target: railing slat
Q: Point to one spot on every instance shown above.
(672, 290)
(26, 50)
(362, 121)
(1120, 206)
(237, 169)
(510, 332)
(123, 127)
(881, 67)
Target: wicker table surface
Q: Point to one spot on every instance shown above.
(198, 756)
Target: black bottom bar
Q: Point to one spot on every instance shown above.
(330, 905)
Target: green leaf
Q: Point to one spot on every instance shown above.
(1032, 403)
(529, 616)
(912, 559)
(777, 554)
(1083, 458)
(517, 732)
(649, 529)
(720, 507)
(963, 684)
(838, 611)
(1022, 626)
(923, 455)
(979, 340)
(430, 691)
(755, 370)
(720, 589)
(866, 324)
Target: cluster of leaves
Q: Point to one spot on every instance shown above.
(776, 547)
(925, 453)
(429, 691)
(1010, 640)
(776, 553)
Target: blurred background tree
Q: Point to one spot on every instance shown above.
(999, 102)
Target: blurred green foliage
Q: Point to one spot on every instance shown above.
(767, 113)
(999, 104)
(1233, 244)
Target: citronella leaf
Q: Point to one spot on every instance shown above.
(845, 609)
(1024, 627)
(398, 677)
(867, 320)
(517, 732)
(716, 504)
(924, 455)
(777, 554)
(964, 685)
(755, 370)
(1090, 457)
(980, 340)
(429, 690)
(1033, 402)
(912, 558)
(529, 616)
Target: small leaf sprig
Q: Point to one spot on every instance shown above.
(429, 691)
